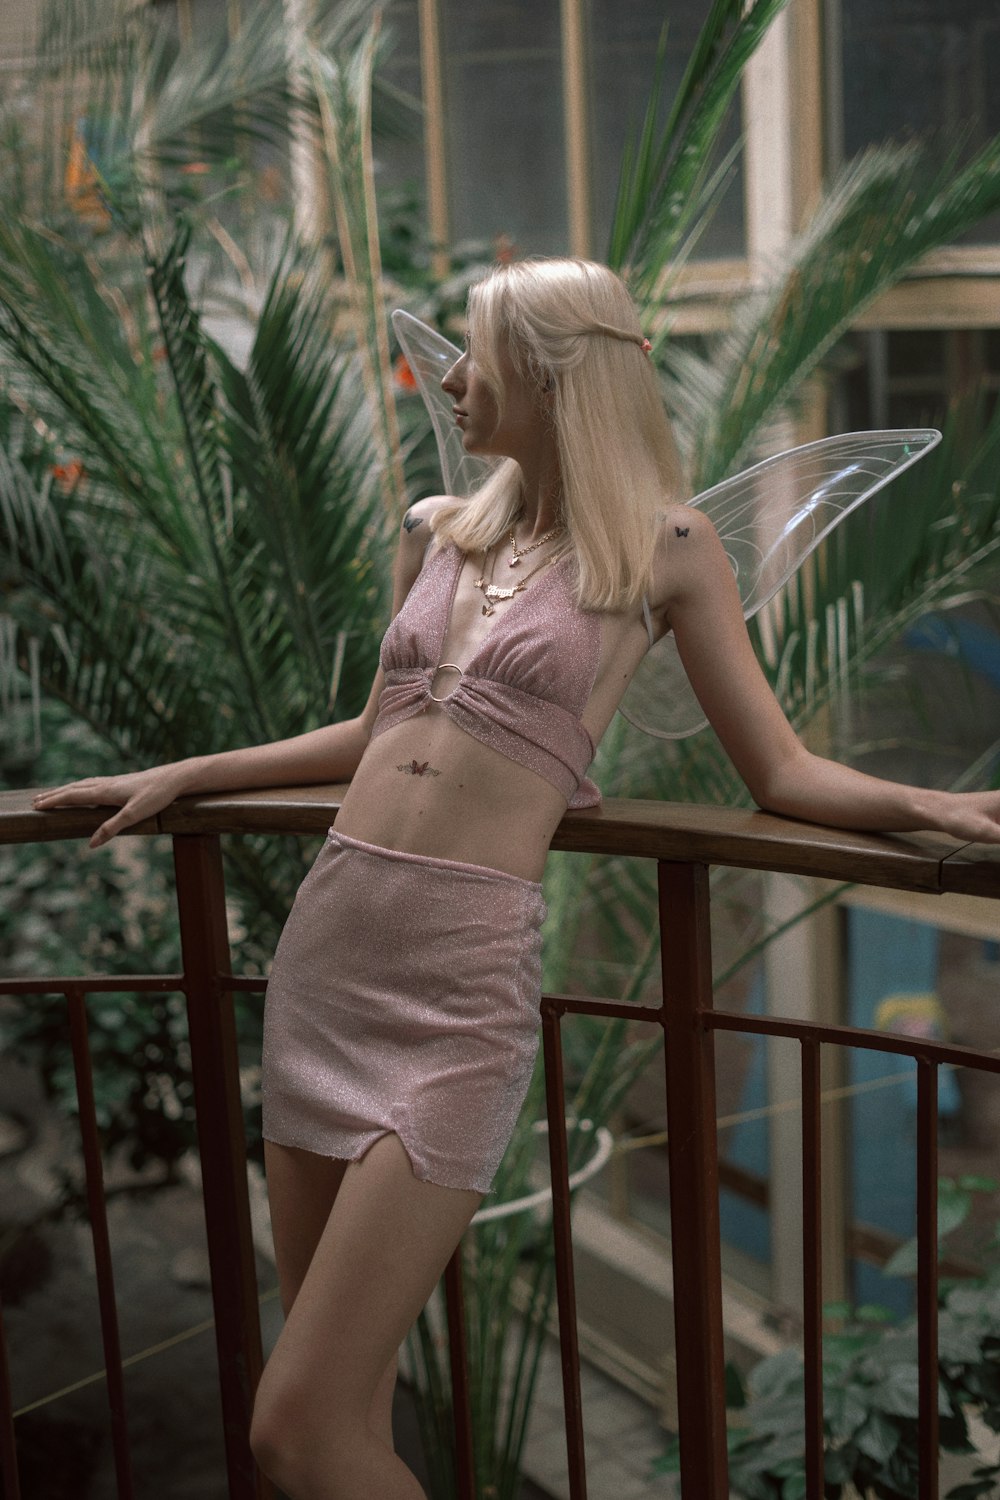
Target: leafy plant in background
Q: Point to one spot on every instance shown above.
(115, 914)
(870, 1395)
(192, 548)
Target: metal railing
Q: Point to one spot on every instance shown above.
(685, 840)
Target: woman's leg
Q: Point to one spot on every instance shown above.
(385, 1244)
(301, 1188)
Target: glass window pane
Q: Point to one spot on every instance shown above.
(506, 154)
(623, 41)
(918, 67)
(909, 377)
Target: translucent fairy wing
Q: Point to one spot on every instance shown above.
(770, 517)
(430, 356)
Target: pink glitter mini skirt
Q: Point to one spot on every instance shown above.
(404, 998)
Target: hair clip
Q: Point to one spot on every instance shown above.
(646, 346)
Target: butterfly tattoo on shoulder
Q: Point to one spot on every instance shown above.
(418, 768)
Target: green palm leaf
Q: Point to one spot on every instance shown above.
(152, 106)
(666, 188)
(878, 219)
(343, 88)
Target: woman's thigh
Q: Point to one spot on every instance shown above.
(386, 1242)
(301, 1189)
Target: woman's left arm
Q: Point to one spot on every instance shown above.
(704, 610)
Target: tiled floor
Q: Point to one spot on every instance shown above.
(622, 1437)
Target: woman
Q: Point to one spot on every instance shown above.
(402, 1009)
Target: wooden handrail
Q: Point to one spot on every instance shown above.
(653, 830)
(685, 839)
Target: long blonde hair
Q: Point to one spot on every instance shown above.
(571, 326)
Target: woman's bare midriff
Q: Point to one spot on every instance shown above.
(427, 787)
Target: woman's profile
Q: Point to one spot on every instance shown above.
(400, 1028)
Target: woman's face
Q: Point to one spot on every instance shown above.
(484, 429)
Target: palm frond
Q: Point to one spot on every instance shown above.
(885, 212)
(300, 449)
(918, 545)
(666, 188)
(65, 357)
(343, 89)
(210, 476)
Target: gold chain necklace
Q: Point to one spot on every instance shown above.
(492, 591)
(516, 552)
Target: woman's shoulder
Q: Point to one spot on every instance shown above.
(421, 513)
(683, 535)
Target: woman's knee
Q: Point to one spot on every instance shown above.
(293, 1424)
(280, 1436)
(272, 1431)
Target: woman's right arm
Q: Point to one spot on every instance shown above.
(329, 754)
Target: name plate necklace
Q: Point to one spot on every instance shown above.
(492, 591)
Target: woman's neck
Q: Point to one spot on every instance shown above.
(541, 501)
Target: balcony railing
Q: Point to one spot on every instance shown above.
(685, 841)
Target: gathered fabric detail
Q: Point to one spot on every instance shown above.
(524, 690)
(495, 713)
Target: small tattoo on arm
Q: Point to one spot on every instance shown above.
(418, 768)
(411, 522)
(682, 530)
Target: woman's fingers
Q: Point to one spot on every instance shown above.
(107, 830)
(100, 793)
(74, 793)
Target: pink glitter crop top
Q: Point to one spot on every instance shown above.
(527, 684)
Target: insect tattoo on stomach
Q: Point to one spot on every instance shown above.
(418, 768)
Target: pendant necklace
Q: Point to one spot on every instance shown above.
(516, 552)
(492, 591)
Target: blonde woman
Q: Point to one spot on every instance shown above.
(401, 1015)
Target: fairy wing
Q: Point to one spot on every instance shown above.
(769, 517)
(430, 356)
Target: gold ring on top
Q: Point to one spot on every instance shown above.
(440, 668)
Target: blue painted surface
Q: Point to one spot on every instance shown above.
(962, 640)
(886, 956)
(744, 1224)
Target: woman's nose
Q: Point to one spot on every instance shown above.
(452, 379)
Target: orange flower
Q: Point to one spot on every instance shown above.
(68, 476)
(403, 375)
(195, 168)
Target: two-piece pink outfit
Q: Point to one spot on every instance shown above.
(405, 989)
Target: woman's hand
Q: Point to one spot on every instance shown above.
(972, 816)
(138, 795)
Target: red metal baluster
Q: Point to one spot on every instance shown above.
(569, 1345)
(694, 1179)
(927, 1276)
(465, 1469)
(97, 1212)
(812, 1266)
(201, 901)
